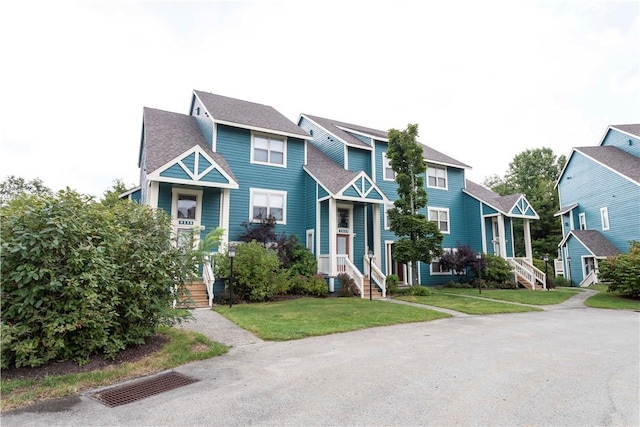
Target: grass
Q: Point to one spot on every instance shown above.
(183, 347)
(306, 317)
(611, 300)
(464, 304)
(522, 296)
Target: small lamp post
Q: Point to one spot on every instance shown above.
(370, 256)
(479, 258)
(569, 270)
(232, 255)
(546, 260)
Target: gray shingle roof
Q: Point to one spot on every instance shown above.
(248, 114)
(503, 203)
(595, 242)
(167, 135)
(632, 129)
(334, 126)
(616, 159)
(327, 172)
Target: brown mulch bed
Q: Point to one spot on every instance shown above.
(153, 344)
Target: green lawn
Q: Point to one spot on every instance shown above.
(467, 305)
(611, 300)
(306, 317)
(523, 296)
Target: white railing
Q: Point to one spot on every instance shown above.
(208, 278)
(323, 264)
(525, 269)
(346, 266)
(591, 279)
(378, 276)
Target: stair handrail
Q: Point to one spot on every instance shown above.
(378, 276)
(539, 274)
(528, 271)
(208, 277)
(591, 279)
(352, 270)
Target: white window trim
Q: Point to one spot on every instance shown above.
(434, 208)
(387, 223)
(252, 191)
(311, 238)
(441, 273)
(284, 149)
(446, 177)
(582, 220)
(174, 203)
(604, 218)
(386, 165)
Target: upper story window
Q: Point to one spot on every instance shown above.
(582, 219)
(604, 218)
(436, 176)
(268, 150)
(388, 172)
(267, 203)
(441, 217)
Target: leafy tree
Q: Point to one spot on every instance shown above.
(419, 238)
(534, 173)
(459, 260)
(80, 278)
(622, 272)
(14, 186)
(111, 196)
(263, 232)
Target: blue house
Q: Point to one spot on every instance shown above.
(328, 182)
(599, 191)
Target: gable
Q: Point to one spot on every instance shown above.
(194, 167)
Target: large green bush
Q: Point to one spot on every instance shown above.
(80, 278)
(497, 271)
(622, 272)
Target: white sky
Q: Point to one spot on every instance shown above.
(485, 80)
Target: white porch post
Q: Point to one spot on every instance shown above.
(377, 242)
(154, 189)
(333, 267)
(502, 241)
(527, 240)
(225, 204)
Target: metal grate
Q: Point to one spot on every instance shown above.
(133, 392)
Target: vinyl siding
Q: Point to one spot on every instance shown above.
(324, 227)
(210, 211)
(453, 199)
(576, 252)
(205, 123)
(358, 249)
(165, 197)
(594, 187)
(359, 160)
(621, 140)
(310, 203)
(325, 142)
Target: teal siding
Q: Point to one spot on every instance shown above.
(362, 138)
(203, 164)
(324, 227)
(235, 145)
(205, 123)
(594, 187)
(508, 235)
(310, 202)
(165, 197)
(576, 252)
(359, 160)
(358, 241)
(487, 210)
(452, 198)
(474, 222)
(325, 142)
(620, 140)
(175, 171)
(210, 211)
(215, 176)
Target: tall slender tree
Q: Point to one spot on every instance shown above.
(419, 238)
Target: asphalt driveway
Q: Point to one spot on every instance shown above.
(567, 366)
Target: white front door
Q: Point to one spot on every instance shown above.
(186, 209)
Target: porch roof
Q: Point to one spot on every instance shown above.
(593, 241)
(167, 135)
(503, 204)
(566, 209)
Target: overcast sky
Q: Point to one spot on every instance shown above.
(485, 80)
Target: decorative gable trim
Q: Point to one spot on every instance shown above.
(362, 188)
(523, 209)
(194, 166)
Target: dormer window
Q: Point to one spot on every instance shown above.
(268, 150)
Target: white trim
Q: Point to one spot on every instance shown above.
(175, 192)
(225, 207)
(310, 233)
(437, 260)
(386, 222)
(269, 137)
(373, 160)
(262, 130)
(345, 157)
(604, 218)
(267, 192)
(582, 220)
(446, 177)
(386, 164)
(438, 209)
(154, 189)
(363, 146)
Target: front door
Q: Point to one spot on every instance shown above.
(342, 246)
(186, 212)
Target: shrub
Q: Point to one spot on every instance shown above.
(562, 281)
(622, 272)
(348, 286)
(257, 275)
(296, 257)
(497, 271)
(418, 290)
(308, 285)
(391, 282)
(80, 278)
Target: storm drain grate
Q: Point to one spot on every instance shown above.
(143, 389)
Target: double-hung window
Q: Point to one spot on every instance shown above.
(268, 203)
(441, 217)
(436, 267)
(436, 176)
(269, 150)
(388, 172)
(604, 218)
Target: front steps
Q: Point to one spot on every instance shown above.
(196, 296)
(376, 292)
